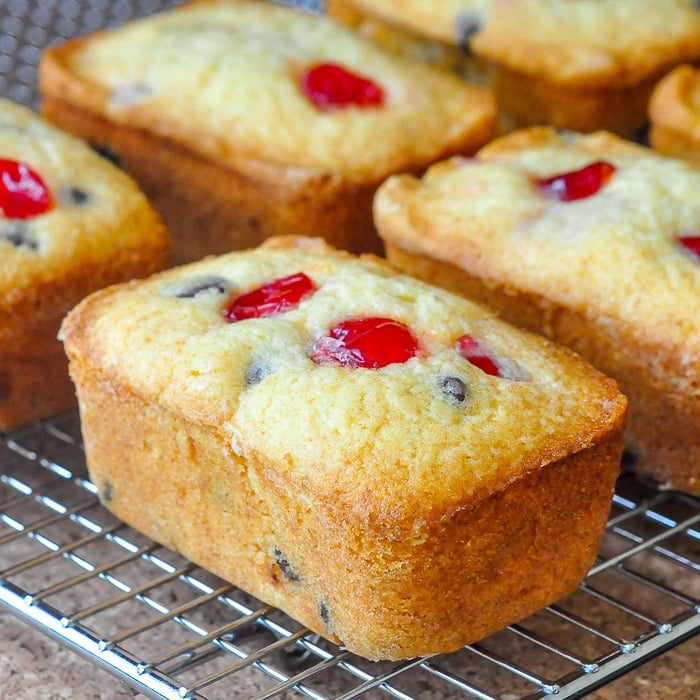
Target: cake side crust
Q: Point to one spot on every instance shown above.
(496, 560)
(31, 356)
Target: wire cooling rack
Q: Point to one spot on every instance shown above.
(172, 630)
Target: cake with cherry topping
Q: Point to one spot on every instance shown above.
(242, 119)
(674, 114)
(70, 223)
(360, 449)
(583, 65)
(590, 240)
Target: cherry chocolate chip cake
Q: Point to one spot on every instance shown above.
(243, 119)
(588, 239)
(360, 449)
(70, 223)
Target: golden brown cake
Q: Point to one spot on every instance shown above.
(674, 114)
(364, 451)
(70, 223)
(583, 65)
(242, 119)
(590, 240)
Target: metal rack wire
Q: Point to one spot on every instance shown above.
(171, 630)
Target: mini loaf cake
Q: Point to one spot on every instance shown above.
(243, 119)
(674, 114)
(584, 65)
(360, 449)
(70, 223)
(590, 240)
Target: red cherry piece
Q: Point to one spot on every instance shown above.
(469, 348)
(366, 342)
(272, 298)
(577, 184)
(23, 194)
(691, 243)
(330, 86)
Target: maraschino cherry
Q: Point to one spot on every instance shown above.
(23, 193)
(331, 86)
(272, 298)
(370, 342)
(577, 184)
(691, 243)
(470, 349)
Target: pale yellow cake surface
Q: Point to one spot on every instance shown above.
(114, 217)
(224, 77)
(582, 42)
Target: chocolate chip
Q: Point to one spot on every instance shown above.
(257, 371)
(201, 285)
(285, 567)
(107, 492)
(454, 389)
(467, 23)
(17, 232)
(325, 614)
(106, 152)
(74, 195)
